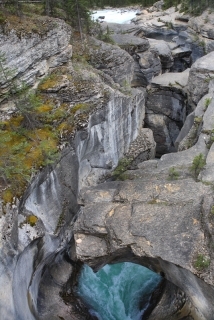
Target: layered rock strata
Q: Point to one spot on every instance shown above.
(32, 253)
(28, 57)
(151, 219)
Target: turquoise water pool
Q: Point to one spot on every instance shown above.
(117, 291)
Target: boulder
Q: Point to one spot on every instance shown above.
(156, 30)
(196, 121)
(207, 175)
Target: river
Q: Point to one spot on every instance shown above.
(115, 15)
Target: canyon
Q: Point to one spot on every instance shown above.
(150, 103)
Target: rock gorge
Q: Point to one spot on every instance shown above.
(155, 218)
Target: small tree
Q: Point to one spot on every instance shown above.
(197, 165)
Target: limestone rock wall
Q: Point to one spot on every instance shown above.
(100, 141)
(109, 135)
(52, 199)
(28, 57)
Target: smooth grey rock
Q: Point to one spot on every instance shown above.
(209, 46)
(201, 73)
(178, 52)
(107, 141)
(195, 123)
(153, 32)
(130, 41)
(137, 218)
(182, 17)
(164, 53)
(208, 112)
(207, 174)
(118, 28)
(172, 79)
(164, 132)
(185, 158)
(185, 129)
(45, 198)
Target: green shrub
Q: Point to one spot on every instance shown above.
(198, 120)
(197, 165)
(2, 18)
(212, 210)
(207, 102)
(32, 220)
(201, 262)
(173, 174)
(118, 173)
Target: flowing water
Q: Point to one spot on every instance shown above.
(115, 15)
(117, 292)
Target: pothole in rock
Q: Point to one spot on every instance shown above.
(117, 291)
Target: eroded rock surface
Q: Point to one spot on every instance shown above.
(107, 126)
(158, 221)
(201, 72)
(166, 109)
(149, 219)
(34, 54)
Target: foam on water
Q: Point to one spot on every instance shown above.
(115, 291)
(115, 15)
